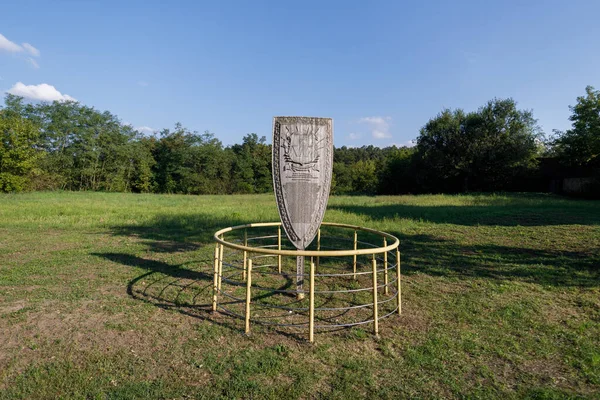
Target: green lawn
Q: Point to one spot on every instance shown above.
(108, 296)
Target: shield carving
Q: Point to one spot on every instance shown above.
(302, 167)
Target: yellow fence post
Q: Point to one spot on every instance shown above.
(375, 313)
(355, 244)
(398, 281)
(215, 278)
(385, 268)
(220, 265)
(318, 246)
(279, 247)
(311, 309)
(245, 253)
(244, 266)
(248, 286)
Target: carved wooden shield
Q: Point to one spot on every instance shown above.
(302, 167)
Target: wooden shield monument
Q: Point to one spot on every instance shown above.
(302, 168)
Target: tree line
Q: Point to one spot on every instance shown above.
(70, 146)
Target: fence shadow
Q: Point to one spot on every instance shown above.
(188, 291)
(172, 286)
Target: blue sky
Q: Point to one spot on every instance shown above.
(380, 69)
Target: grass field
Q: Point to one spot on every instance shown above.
(107, 296)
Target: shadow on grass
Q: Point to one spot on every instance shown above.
(514, 211)
(437, 257)
(170, 287)
(187, 287)
(181, 287)
(187, 291)
(175, 233)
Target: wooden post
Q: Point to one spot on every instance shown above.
(279, 247)
(385, 268)
(398, 281)
(375, 305)
(215, 278)
(248, 286)
(355, 247)
(311, 310)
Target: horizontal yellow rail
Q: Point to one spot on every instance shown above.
(220, 238)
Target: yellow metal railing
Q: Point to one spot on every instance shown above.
(391, 287)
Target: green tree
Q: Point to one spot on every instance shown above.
(364, 177)
(85, 149)
(398, 173)
(19, 153)
(169, 153)
(192, 163)
(141, 161)
(205, 167)
(580, 145)
(484, 150)
(341, 181)
(442, 151)
(251, 169)
(358, 169)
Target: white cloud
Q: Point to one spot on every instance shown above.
(9, 46)
(379, 126)
(377, 134)
(25, 48)
(354, 136)
(12, 47)
(33, 63)
(410, 143)
(41, 92)
(31, 50)
(145, 129)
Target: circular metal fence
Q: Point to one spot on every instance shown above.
(353, 277)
